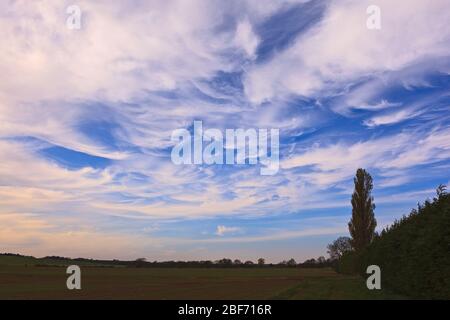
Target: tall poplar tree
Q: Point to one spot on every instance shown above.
(362, 224)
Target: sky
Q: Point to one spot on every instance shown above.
(86, 117)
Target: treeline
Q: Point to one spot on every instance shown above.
(320, 262)
(229, 263)
(413, 253)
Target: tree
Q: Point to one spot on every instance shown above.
(338, 247)
(362, 224)
(248, 263)
(140, 262)
(441, 191)
(412, 252)
(321, 260)
(261, 261)
(310, 261)
(225, 262)
(291, 263)
(237, 262)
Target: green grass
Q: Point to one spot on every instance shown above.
(328, 284)
(31, 280)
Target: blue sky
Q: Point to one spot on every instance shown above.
(87, 116)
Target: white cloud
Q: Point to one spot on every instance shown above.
(246, 38)
(392, 117)
(338, 162)
(284, 235)
(222, 230)
(118, 69)
(383, 104)
(340, 49)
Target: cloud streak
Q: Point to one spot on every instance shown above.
(87, 115)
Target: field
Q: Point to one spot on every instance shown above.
(24, 279)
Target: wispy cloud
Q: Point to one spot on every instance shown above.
(86, 118)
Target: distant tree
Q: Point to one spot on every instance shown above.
(140, 262)
(310, 261)
(291, 263)
(362, 224)
(237, 262)
(248, 262)
(321, 260)
(261, 261)
(338, 247)
(225, 262)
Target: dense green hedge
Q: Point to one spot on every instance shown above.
(349, 263)
(413, 254)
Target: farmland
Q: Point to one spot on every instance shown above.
(26, 278)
